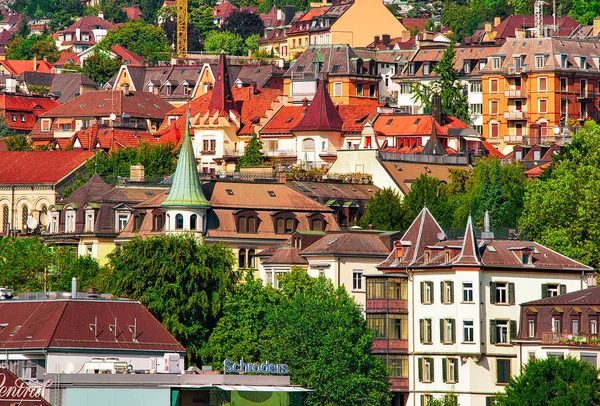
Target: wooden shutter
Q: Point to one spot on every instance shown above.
(488, 401)
(420, 365)
(544, 290)
(563, 289)
(432, 293)
(511, 293)
(513, 329)
(442, 331)
(455, 370)
(492, 292)
(422, 293)
(451, 291)
(445, 369)
(431, 368)
(442, 291)
(422, 329)
(453, 321)
(492, 331)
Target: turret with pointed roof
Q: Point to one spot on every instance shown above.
(221, 99)
(469, 254)
(321, 114)
(186, 190)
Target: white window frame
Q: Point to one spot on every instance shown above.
(539, 84)
(553, 289)
(502, 332)
(468, 331)
(539, 61)
(337, 89)
(358, 280)
(501, 292)
(531, 328)
(70, 215)
(54, 223)
(428, 294)
(468, 292)
(121, 220)
(89, 220)
(594, 327)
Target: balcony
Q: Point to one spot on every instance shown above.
(515, 70)
(513, 139)
(328, 152)
(282, 153)
(515, 115)
(515, 94)
(570, 339)
(399, 384)
(584, 95)
(386, 305)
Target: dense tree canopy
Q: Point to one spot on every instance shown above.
(233, 43)
(38, 46)
(560, 208)
(554, 382)
(202, 18)
(253, 155)
(100, 67)
(317, 330)
(244, 24)
(146, 40)
(181, 281)
(384, 211)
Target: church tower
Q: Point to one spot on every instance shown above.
(186, 206)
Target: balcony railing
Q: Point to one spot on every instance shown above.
(586, 95)
(386, 305)
(328, 152)
(513, 139)
(281, 153)
(513, 70)
(515, 94)
(515, 115)
(570, 339)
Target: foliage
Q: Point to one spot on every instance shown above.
(61, 20)
(159, 160)
(560, 208)
(5, 130)
(253, 155)
(29, 265)
(170, 29)
(23, 30)
(244, 24)
(38, 89)
(79, 181)
(181, 281)
(146, 40)
(427, 191)
(232, 43)
(252, 43)
(553, 381)
(449, 399)
(18, 142)
(113, 11)
(202, 18)
(100, 67)
(317, 330)
(584, 11)
(38, 46)
(454, 102)
(384, 211)
(166, 13)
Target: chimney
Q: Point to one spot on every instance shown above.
(596, 27)
(519, 33)
(254, 88)
(376, 40)
(289, 14)
(370, 227)
(101, 14)
(497, 21)
(488, 27)
(385, 38)
(405, 36)
(136, 173)
(34, 63)
(591, 280)
(427, 36)
(436, 108)
(92, 293)
(74, 288)
(125, 89)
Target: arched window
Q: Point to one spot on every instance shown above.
(24, 215)
(317, 224)
(178, 222)
(157, 223)
(43, 220)
(242, 224)
(280, 226)
(5, 218)
(308, 144)
(248, 223)
(285, 224)
(242, 258)
(251, 260)
(290, 225)
(193, 222)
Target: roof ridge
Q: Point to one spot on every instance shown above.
(65, 303)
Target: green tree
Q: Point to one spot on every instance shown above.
(244, 24)
(317, 330)
(181, 281)
(384, 211)
(560, 208)
(100, 67)
(202, 18)
(584, 11)
(113, 11)
(18, 142)
(39, 46)
(427, 191)
(233, 43)
(5, 130)
(449, 399)
(146, 40)
(252, 43)
(61, 20)
(23, 30)
(253, 155)
(553, 381)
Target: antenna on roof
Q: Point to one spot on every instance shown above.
(94, 328)
(133, 330)
(113, 328)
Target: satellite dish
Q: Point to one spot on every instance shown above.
(68, 367)
(556, 130)
(31, 223)
(113, 116)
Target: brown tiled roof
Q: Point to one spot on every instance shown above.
(110, 138)
(285, 254)
(349, 243)
(590, 296)
(39, 167)
(469, 254)
(221, 99)
(322, 114)
(46, 324)
(404, 173)
(30, 107)
(346, 191)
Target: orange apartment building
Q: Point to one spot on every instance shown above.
(531, 86)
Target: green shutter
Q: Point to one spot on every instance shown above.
(442, 292)
(488, 401)
(442, 338)
(511, 293)
(445, 369)
(432, 292)
(431, 368)
(422, 328)
(420, 365)
(492, 331)
(423, 400)
(456, 370)
(451, 291)
(422, 292)
(499, 371)
(453, 321)
(563, 289)
(513, 329)
(429, 334)
(544, 290)
(492, 292)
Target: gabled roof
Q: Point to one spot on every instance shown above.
(67, 87)
(221, 98)
(469, 255)
(110, 138)
(40, 167)
(589, 296)
(16, 67)
(89, 23)
(322, 114)
(349, 243)
(30, 107)
(127, 57)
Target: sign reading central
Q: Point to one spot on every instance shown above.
(242, 367)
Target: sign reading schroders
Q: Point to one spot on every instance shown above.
(242, 367)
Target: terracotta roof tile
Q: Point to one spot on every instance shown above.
(350, 243)
(39, 167)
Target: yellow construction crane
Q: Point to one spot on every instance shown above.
(182, 28)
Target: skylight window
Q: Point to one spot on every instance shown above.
(229, 192)
(271, 193)
(389, 122)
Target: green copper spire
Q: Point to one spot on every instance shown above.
(186, 190)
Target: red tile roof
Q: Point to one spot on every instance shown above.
(133, 13)
(221, 99)
(58, 324)
(68, 57)
(537, 171)
(493, 151)
(322, 114)
(128, 57)
(16, 67)
(110, 138)
(414, 125)
(29, 107)
(414, 23)
(224, 10)
(39, 167)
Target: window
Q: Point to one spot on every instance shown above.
(553, 289)
(468, 292)
(426, 292)
(531, 328)
(308, 145)
(426, 369)
(411, 69)
(496, 63)
(404, 88)
(193, 222)
(594, 327)
(575, 326)
(425, 331)
(209, 145)
(447, 331)
(494, 130)
(539, 61)
(251, 258)
(476, 108)
(426, 69)
(450, 370)
(564, 85)
(359, 89)
(373, 90)
(89, 221)
(337, 89)
(398, 326)
(468, 332)
(494, 107)
(556, 325)
(45, 124)
(475, 86)
(357, 279)
(542, 84)
(13, 117)
(493, 85)
(6, 219)
(53, 224)
(502, 330)
(502, 370)
(157, 222)
(24, 215)
(543, 106)
(317, 224)
(247, 224)
(447, 291)
(179, 222)
(376, 323)
(425, 399)
(169, 89)
(398, 366)
(502, 293)
(22, 117)
(150, 87)
(242, 258)
(285, 225)
(376, 288)
(70, 221)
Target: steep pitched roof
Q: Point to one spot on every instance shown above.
(321, 114)
(128, 57)
(39, 167)
(469, 254)
(186, 190)
(110, 138)
(16, 67)
(221, 98)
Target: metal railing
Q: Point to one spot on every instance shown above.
(515, 94)
(515, 115)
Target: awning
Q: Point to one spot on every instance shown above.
(65, 121)
(244, 388)
(471, 138)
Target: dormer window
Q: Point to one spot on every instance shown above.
(150, 87)
(54, 223)
(317, 223)
(563, 61)
(89, 221)
(122, 220)
(169, 89)
(583, 62)
(285, 224)
(427, 256)
(467, 67)
(247, 222)
(539, 61)
(70, 221)
(426, 69)
(411, 69)
(496, 63)
(526, 257)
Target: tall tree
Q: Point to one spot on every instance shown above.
(317, 330)
(427, 191)
(181, 281)
(385, 211)
(38, 46)
(18, 142)
(232, 43)
(553, 381)
(100, 67)
(253, 155)
(202, 18)
(146, 40)
(244, 24)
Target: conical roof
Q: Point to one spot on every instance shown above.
(186, 190)
(469, 255)
(221, 99)
(434, 145)
(321, 114)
